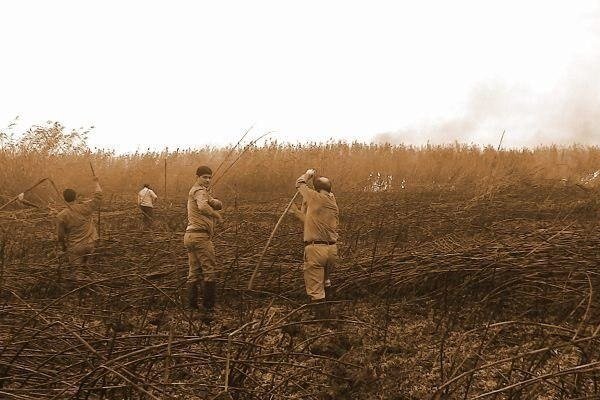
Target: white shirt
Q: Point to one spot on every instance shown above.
(146, 197)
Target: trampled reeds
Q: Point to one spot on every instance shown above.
(464, 273)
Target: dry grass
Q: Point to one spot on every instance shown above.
(476, 278)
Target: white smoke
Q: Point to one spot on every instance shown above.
(569, 114)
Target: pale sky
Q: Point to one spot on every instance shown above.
(191, 73)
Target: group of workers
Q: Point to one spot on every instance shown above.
(319, 213)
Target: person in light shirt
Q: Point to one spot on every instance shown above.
(146, 199)
(320, 216)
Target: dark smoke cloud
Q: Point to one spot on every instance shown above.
(569, 114)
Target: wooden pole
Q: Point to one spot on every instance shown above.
(269, 242)
(94, 174)
(501, 138)
(25, 191)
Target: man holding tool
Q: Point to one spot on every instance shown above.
(77, 234)
(202, 210)
(320, 215)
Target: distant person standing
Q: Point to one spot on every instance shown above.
(77, 233)
(320, 215)
(146, 199)
(202, 210)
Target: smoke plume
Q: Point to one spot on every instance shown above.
(569, 114)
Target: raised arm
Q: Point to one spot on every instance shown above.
(302, 186)
(97, 198)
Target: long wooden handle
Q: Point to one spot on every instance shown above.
(25, 191)
(94, 174)
(269, 242)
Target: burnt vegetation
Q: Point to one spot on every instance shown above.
(465, 273)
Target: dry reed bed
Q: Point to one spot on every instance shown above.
(273, 167)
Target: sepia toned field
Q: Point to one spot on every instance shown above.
(465, 273)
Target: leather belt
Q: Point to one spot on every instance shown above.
(318, 242)
(196, 231)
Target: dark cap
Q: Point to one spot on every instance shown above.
(69, 195)
(203, 170)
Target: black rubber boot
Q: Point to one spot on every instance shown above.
(320, 309)
(192, 295)
(208, 301)
(329, 293)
